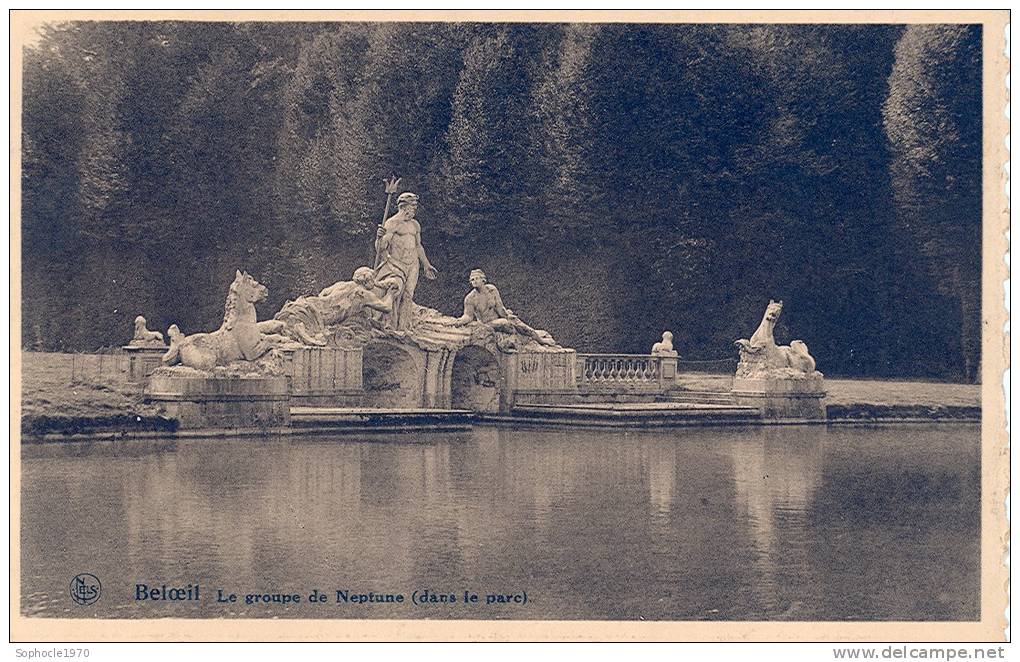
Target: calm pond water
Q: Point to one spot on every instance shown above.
(785, 523)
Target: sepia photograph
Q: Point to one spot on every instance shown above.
(447, 325)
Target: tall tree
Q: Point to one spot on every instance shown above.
(318, 87)
(397, 118)
(674, 107)
(933, 121)
(566, 142)
(815, 226)
(485, 176)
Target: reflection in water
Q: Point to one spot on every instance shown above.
(660, 464)
(755, 523)
(775, 476)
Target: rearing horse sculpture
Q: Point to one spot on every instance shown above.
(760, 354)
(238, 338)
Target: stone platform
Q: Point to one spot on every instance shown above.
(143, 360)
(783, 399)
(400, 374)
(325, 377)
(204, 401)
(373, 419)
(659, 414)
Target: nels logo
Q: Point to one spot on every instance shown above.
(85, 589)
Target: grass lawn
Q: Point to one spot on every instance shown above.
(80, 393)
(893, 393)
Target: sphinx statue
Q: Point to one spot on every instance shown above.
(239, 337)
(761, 358)
(665, 346)
(143, 337)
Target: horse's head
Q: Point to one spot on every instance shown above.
(773, 310)
(248, 289)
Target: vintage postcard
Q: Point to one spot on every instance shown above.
(675, 326)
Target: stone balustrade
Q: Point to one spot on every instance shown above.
(626, 372)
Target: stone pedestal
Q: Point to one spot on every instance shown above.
(325, 377)
(667, 373)
(143, 359)
(783, 399)
(231, 402)
(546, 371)
(542, 377)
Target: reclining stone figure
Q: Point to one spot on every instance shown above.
(311, 320)
(483, 304)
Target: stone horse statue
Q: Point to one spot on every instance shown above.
(239, 338)
(760, 357)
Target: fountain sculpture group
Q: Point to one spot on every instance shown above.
(357, 343)
(365, 343)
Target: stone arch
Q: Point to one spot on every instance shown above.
(393, 375)
(476, 381)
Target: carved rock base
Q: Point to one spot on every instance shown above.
(481, 378)
(783, 399)
(221, 402)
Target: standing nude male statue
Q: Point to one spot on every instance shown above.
(399, 258)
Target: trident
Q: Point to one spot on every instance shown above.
(392, 186)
